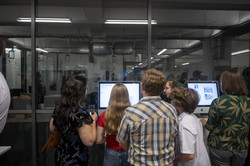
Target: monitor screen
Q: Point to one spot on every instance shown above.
(207, 91)
(105, 88)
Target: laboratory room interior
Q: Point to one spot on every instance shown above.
(107, 41)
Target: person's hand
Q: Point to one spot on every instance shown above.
(203, 121)
(94, 116)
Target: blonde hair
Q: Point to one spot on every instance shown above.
(119, 101)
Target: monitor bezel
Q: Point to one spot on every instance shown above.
(115, 82)
(211, 81)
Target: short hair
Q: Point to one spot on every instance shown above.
(233, 82)
(185, 98)
(153, 82)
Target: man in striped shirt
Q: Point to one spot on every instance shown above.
(148, 128)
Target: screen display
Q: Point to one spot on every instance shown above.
(105, 91)
(207, 91)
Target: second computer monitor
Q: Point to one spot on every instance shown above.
(207, 91)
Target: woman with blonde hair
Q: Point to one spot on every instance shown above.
(109, 123)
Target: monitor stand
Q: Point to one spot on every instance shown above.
(201, 110)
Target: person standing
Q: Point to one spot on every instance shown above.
(191, 150)
(228, 121)
(148, 128)
(76, 126)
(4, 95)
(109, 122)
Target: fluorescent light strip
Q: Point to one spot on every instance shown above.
(240, 52)
(129, 22)
(162, 51)
(41, 50)
(185, 64)
(49, 20)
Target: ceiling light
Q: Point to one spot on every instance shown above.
(140, 63)
(215, 32)
(193, 43)
(185, 64)
(49, 20)
(152, 58)
(129, 22)
(162, 51)
(177, 50)
(41, 50)
(240, 52)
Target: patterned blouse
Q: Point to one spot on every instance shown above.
(71, 150)
(228, 123)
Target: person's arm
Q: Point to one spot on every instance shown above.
(184, 158)
(213, 115)
(203, 121)
(100, 139)
(123, 133)
(124, 146)
(51, 125)
(87, 132)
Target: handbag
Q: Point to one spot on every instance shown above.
(53, 140)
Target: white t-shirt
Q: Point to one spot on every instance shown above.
(191, 140)
(4, 101)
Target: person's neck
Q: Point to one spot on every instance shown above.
(145, 94)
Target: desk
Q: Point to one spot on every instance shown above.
(4, 149)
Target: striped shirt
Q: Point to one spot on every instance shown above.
(150, 127)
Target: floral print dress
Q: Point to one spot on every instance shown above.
(70, 149)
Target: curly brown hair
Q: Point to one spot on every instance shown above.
(72, 94)
(185, 98)
(153, 82)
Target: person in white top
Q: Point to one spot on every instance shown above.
(191, 150)
(4, 95)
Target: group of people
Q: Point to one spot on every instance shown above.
(151, 132)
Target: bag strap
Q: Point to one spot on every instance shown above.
(47, 143)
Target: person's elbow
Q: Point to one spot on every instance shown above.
(89, 142)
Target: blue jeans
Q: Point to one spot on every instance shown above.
(115, 157)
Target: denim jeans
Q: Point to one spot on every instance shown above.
(115, 157)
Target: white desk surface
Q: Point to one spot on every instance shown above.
(4, 149)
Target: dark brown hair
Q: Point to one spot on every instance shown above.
(153, 82)
(233, 82)
(185, 98)
(73, 92)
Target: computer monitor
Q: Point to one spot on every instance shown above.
(207, 91)
(105, 88)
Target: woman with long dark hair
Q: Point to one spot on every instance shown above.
(76, 126)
